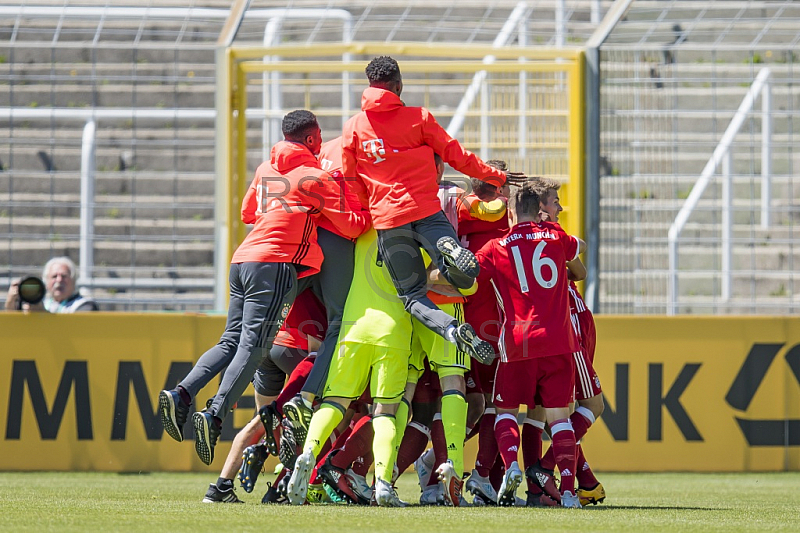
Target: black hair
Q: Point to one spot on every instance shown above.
(383, 69)
(297, 124)
(487, 191)
(524, 200)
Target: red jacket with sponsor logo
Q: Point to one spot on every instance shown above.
(287, 196)
(330, 159)
(388, 148)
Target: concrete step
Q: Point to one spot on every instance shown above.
(655, 256)
(112, 253)
(189, 156)
(653, 231)
(700, 305)
(140, 206)
(109, 182)
(784, 211)
(32, 227)
(149, 94)
(655, 283)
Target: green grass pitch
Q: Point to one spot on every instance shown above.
(55, 501)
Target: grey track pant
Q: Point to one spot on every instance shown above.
(261, 294)
(399, 248)
(331, 286)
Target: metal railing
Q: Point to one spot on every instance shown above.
(722, 156)
(88, 174)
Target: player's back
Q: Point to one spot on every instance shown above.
(528, 270)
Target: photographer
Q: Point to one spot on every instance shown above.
(60, 294)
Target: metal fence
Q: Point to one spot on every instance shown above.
(142, 77)
(674, 75)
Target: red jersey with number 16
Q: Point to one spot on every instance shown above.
(528, 269)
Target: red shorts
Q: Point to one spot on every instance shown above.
(483, 376)
(472, 380)
(587, 384)
(583, 324)
(428, 389)
(546, 381)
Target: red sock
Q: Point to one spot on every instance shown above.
(582, 419)
(414, 442)
(506, 432)
(361, 464)
(358, 444)
(487, 444)
(584, 474)
(497, 472)
(296, 381)
(563, 447)
(438, 440)
(532, 446)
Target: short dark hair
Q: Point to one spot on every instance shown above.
(543, 186)
(524, 200)
(487, 191)
(383, 69)
(297, 124)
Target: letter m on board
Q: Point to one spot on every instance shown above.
(75, 376)
(131, 376)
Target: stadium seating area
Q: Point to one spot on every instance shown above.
(673, 74)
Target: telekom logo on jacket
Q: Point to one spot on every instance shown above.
(374, 148)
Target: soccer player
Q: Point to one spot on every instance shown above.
(374, 348)
(527, 268)
(588, 391)
(299, 337)
(388, 148)
(332, 285)
(481, 311)
(264, 273)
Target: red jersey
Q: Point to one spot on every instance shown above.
(287, 196)
(528, 270)
(576, 303)
(474, 232)
(388, 150)
(307, 318)
(330, 159)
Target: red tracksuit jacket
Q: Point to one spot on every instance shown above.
(387, 150)
(287, 196)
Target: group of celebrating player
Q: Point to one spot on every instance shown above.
(364, 280)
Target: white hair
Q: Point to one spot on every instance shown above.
(64, 260)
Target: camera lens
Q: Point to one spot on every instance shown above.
(32, 290)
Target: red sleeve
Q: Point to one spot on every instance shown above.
(455, 155)
(486, 261)
(349, 162)
(328, 198)
(250, 201)
(570, 244)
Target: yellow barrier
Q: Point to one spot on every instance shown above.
(79, 392)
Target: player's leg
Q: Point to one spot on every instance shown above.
(331, 285)
(400, 252)
(387, 384)
(250, 461)
(456, 263)
(514, 385)
(174, 405)
(269, 290)
(556, 390)
(347, 379)
(590, 490)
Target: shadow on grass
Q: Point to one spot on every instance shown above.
(654, 508)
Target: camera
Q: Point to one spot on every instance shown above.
(31, 290)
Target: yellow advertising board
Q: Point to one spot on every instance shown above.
(79, 392)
